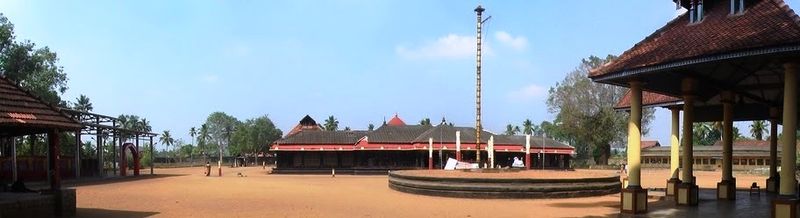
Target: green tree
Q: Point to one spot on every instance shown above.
(202, 138)
(757, 129)
(35, 69)
(425, 122)
(82, 104)
(585, 112)
(511, 129)
(527, 127)
(220, 129)
(370, 127)
(331, 124)
(166, 139)
(254, 136)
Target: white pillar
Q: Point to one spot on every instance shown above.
(458, 145)
(491, 152)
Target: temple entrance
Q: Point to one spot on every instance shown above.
(123, 162)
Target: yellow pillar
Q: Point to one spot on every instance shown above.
(687, 191)
(726, 189)
(635, 136)
(674, 150)
(788, 146)
(786, 204)
(634, 198)
(688, 120)
(674, 153)
(773, 181)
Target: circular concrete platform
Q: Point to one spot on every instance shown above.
(505, 184)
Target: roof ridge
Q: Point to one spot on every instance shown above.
(782, 4)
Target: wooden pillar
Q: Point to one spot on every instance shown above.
(786, 203)
(14, 159)
(151, 155)
(77, 155)
(99, 140)
(634, 198)
(54, 155)
(687, 192)
(774, 179)
(674, 153)
(458, 145)
(136, 157)
(726, 189)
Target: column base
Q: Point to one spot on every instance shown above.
(634, 200)
(785, 206)
(726, 189)
(672, 186)
(773, 182)
(687, 194)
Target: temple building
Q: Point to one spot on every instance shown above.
(397, 145)
(721, 61)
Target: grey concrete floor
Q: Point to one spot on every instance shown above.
(745, 205)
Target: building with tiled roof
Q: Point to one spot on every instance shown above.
(401, 146)
(748, 154)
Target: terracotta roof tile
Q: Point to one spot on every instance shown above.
(20, 109)
(765, 24)
(648, 98)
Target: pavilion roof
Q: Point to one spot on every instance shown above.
(322, 137)
(766, 24)
(447, 134)
(648, 99)
(536, 141)
(397, 134)
(23, 113)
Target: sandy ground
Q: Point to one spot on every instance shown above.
(185, 192)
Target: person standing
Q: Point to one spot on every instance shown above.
(208, 168)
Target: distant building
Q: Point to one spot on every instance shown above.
(747, 154)
(400, 146)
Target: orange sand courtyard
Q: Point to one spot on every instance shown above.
(185, 192)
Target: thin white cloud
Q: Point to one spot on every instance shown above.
(452, 46)
(518, 43)
(529, 92)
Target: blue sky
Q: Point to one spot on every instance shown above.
(175, 62)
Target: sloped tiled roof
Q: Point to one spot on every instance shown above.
(396, 121)
(746, 143)
(323, 137)
(536, 141)
(650, 144)
(397, 134)
(765, 24)
(20, 110)
(447, 134)
(648, 98)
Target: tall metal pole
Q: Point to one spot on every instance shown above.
(478, 128)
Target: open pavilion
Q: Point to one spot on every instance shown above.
(727, 61)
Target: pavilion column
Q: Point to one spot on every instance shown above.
(527, 151)
(153, 155)
(687, 192)
(634, 198)
(13, 159)
(458, 145)
(674, 153)
(774, 179)
(726, 189)
(99, 141)
(430, 153)
(77, 154)
(786, 204)
(54, 150)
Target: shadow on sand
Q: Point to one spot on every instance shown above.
(95, 212)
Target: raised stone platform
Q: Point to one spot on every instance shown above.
(505, 184)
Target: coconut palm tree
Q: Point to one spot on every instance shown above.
(331, 124)
(511, 129)
(757, 129)
(82, 104)
(202, 137)
(527, 127)
(166, 139)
